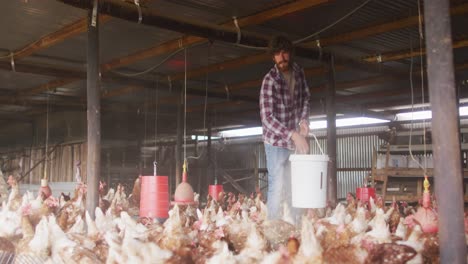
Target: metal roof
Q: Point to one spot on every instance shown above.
(25, 22)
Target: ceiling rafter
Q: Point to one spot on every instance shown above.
(353, 35)
(56, 37)
(188, 40)
(399, 55)
(380, 28)
(174, 45)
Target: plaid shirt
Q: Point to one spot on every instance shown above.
(281, 112)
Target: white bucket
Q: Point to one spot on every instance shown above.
(309, 180)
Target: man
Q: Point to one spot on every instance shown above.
(284, 110)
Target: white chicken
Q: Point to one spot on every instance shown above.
(65, 250)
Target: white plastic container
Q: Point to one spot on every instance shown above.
(309, 180)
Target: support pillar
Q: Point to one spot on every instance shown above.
(93, 164)
(445, 134)
(331, 133)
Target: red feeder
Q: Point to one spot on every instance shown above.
(364, 193)
(214, 190)
(154, 196)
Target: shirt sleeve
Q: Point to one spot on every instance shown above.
(267, 113)
(306, 98)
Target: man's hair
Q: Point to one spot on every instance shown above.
(279, 43)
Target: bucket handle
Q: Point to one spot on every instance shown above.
(316, 141)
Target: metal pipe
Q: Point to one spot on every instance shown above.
(331, 133)
(445, 133)
(93, 163)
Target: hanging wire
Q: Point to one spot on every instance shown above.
(333, 24)
(424, 168)
(146, 119)
(7, 56)
(149, 69)
(313, 34)
(156, 120)
(47, 139)
(152, 68)
(204, 109)
(421, 38)
(185, 104)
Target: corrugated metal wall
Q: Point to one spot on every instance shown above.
(61, 166)
(354, 158)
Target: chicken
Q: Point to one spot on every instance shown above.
(254, 250)
(65, 250)
(10, 222)
(332, 231)
(310, 250)
(238, 231)
(175, 238)
(394, 216)
(72, 209)
(401, 230)
(277, 232)
(359, 223)
(119, 202)
(351, 204)
(134, 197)
(38, 208)
(222, 255)
(14, 198)
(39, 244)
(131, 250)
(390, 253)
(105, 200)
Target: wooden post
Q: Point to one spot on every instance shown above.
(446, 145)
(331, 133)
(93, 112)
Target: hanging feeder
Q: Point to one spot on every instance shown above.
(154, 196)
(215, 189)
(184, 192)
(365, 193)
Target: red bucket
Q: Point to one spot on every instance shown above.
(154, 199)
(365, 193)
(214, 190)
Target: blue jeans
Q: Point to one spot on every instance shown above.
(279, 180)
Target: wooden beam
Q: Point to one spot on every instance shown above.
(121, 91)
(46, 87)
(226, 65)
(309, 72)
(378, 29)
(399, 55)
(340, 86)
(360, 112)
(173, 45)
(58, 36)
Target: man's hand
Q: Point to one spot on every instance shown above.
(302, 146)
(304, 128)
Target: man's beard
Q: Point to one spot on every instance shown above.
(283, 65)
